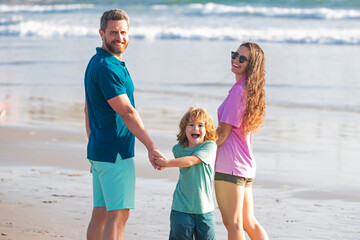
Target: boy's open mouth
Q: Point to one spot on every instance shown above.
(195, 136)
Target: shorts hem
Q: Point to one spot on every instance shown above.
(99, 205)
(118, 208)
(114, 184)
(238, 180)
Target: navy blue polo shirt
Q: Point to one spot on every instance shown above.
(107, 77)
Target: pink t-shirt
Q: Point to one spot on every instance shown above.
(235, 155)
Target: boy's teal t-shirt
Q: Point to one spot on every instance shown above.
(194, 189)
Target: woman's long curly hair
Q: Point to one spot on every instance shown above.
(254, 113)
(196, 115)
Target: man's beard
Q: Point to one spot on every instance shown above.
(113, 49)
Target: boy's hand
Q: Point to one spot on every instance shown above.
(154, 153)
(161, 162)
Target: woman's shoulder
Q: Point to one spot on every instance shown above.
(238, 87)
(238, 92)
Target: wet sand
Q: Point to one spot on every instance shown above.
(45, 193)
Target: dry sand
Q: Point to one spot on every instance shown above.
(45, 193)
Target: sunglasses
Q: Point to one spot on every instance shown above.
(242, 58)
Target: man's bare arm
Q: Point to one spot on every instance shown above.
(121, 104)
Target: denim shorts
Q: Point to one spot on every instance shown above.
(114, 184)
(186, 226)
(247, 182)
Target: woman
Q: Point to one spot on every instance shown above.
(241, 113)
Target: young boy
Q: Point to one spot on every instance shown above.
(192, 214)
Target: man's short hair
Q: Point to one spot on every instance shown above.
(113, 14)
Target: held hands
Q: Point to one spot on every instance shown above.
(153, 155)
(161, 162)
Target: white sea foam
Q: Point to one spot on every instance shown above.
(160, 7)
(42, 8)
(279, 35)
(350, 36)
(192, 22)
(46, 30)
(10, 20)
(312, 13)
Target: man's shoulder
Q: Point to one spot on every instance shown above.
(96, 62)
(101, 57)
(100, 64)
(100, 60)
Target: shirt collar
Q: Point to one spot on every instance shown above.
(111, 58)
(240, 81)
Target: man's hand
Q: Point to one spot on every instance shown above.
(161, 162)
(154, 154)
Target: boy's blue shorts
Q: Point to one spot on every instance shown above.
(114, 184)
(186, 226)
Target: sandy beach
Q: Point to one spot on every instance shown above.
(307, 184)
(45, 193)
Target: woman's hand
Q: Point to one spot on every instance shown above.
(223, 131)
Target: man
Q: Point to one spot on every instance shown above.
(112, 123)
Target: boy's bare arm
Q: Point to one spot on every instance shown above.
(178, 162)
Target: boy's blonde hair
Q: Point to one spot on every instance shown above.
(196, 115)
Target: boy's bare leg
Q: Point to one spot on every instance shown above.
(115, 224)
(97, 223)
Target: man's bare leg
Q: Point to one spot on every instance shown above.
(97, 223)
(115, 224)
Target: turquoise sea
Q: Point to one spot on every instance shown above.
(180, 48)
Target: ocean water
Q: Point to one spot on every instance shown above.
(179, 56)
(311, 49)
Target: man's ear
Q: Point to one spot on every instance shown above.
(101, 32)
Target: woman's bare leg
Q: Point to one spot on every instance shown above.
(230, 198)
(251, 225)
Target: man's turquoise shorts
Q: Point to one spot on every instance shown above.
(114, 184)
